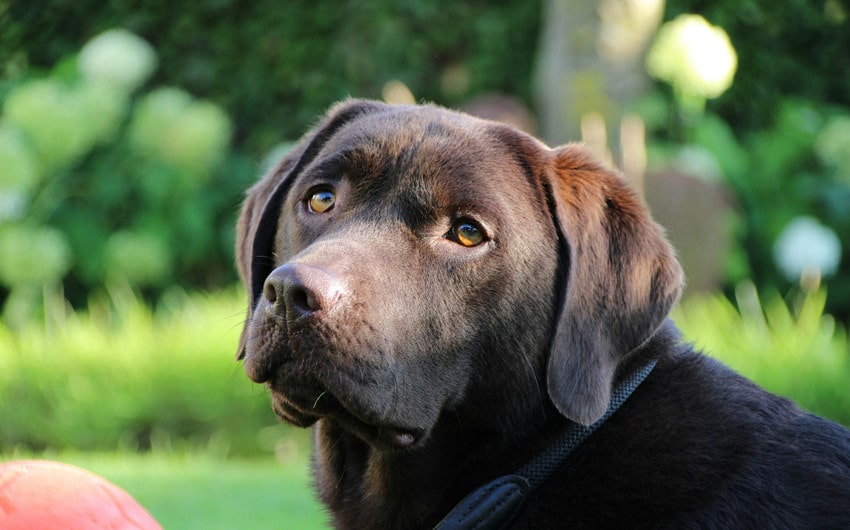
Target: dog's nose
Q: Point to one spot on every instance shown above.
(296, 290)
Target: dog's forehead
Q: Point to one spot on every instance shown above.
(409, 134)
(425, 149)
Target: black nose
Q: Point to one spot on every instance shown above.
(296, 290)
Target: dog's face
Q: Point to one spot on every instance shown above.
(409, 262)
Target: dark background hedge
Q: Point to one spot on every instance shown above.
(274, 66)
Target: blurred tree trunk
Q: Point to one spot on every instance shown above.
(590, 60)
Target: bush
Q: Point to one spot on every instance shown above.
(100, 183)
(142, 180)
(784, 178)
(799, 351)
(122, 376)
(778, 138)
(275, 67)
(785, 50)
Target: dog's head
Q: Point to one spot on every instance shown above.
(404, 262)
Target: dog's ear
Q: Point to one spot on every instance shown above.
(619, 279)
(257, 224)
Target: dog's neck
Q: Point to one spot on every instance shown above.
(424, 484)
(497, 503)
(416, 489)
(358, 479)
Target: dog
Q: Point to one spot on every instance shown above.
(444, 297)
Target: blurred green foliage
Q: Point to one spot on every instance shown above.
(273, 69)
(790, 347)
(790, 171)
(123, 376)
(139, 180)
(275, 66)
(101, 183)
(794, 49)
(778, 137)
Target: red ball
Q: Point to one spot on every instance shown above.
(39, 494)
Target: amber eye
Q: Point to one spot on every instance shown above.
(321, 201)
(467, 233)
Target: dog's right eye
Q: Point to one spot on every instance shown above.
(467, 233)
(321, 201)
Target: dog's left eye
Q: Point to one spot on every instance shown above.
(321, 201)
(467, 233)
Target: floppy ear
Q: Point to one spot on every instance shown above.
(619, 279)
(257, 224)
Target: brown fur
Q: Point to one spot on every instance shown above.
(430, 368)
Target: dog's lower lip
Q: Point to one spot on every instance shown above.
(401, 438)
(317, 402)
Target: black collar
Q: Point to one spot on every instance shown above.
(496, 504)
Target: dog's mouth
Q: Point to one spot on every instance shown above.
(309, 403)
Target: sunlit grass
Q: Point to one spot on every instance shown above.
(200, 491)
(123, 376)
(152, 400)
(792, 349)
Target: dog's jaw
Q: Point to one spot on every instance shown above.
(407, 488)
(414, 487)
(312, 384)
(299, 411)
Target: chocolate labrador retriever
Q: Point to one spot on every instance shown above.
(477, 326)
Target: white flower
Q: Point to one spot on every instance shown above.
(33, 255)
(199, 140)
(695, 57)
(119, 58)
(833, 145)
(19, 168)
(154, 115)
(806, 244)
(19, 175)
(63, 122)
(189, 133)
(49, 115)
(139, 257)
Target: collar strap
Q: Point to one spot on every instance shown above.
(496, 504)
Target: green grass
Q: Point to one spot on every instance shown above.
(791, 347)
(203, 492)
(121, 376)
(153, 401)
